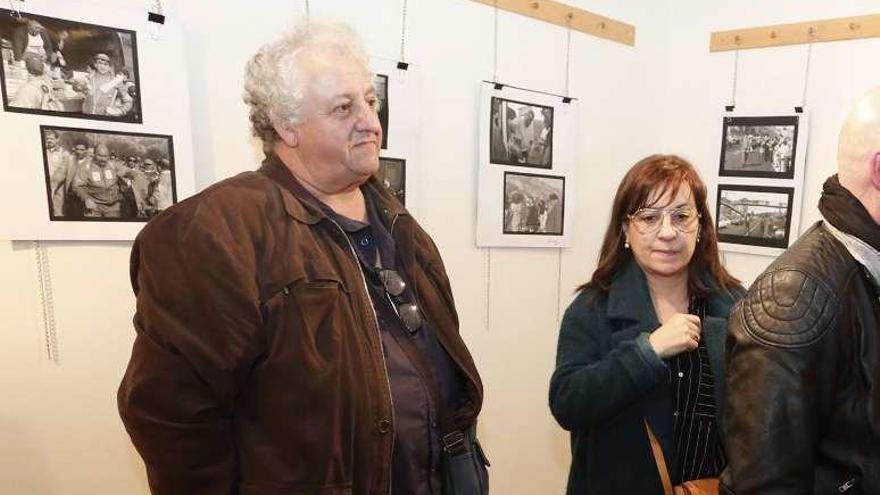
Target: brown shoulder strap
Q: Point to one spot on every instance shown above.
(657, 450)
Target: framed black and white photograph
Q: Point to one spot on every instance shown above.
(761, 147)
(392, 174)
(533, 204)
(107, 176)
(380, 81)
(63, 67)
(754, 215)
(521, 134)
(519, 204)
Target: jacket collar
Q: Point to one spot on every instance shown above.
(628, 296)
(302, 206)
(630, 299)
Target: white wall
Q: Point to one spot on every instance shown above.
(59, 423)
(698, 85)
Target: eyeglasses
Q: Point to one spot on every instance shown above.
(408, 313)
(649, 220)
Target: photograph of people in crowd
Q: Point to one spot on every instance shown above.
(380, 81)
(533, 204)
(754, 215)
(521, 134)
(56, 66)
(392, 174)
(107, 176)
(759, 147)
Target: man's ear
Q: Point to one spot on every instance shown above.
(287, 134)
(874, 171)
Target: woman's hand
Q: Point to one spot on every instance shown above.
(680, 333)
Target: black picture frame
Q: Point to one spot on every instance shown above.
(527, 219)
(392, 175)
(380, 81)
(115, 141)
(766, 158)
(729, 226)
(67, 86)
(501, 143)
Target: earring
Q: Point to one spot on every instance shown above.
(626, 244)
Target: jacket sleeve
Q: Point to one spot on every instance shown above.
(197, 317)
(590, 385)
(781, 371)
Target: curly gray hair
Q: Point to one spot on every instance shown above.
(274, 85)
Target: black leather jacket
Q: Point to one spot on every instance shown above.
(803, 378)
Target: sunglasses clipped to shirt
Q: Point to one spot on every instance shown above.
(408, 313)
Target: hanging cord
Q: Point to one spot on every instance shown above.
(806, 75)
(47, 301)
(558, 284)
(157, 19)
(488, 284)
(495, 46)
(308, 11)
(732, 105)
(403, 34)
(568, 50)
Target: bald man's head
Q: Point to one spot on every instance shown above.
(858, 152)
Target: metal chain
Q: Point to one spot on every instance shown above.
(807, 74)
(735, 74)
(403, 34)
(47, 301)
(495, 46)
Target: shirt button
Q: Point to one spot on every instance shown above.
(365, 241)
(675, 414)
(681, 374)
(383, 426)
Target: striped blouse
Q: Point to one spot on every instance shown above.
(699, 452)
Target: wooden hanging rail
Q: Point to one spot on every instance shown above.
(843, 28)
(565, 15)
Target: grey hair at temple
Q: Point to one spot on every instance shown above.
(274, 85)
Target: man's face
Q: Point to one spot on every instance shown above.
(51, 141)
(101, 155)
(339, 140)
(80, 151)
(528, 117)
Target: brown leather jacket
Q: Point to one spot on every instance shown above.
(258, 367)
(803, 377)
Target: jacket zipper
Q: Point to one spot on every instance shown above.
(381, 349)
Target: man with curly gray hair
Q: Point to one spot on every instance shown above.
(296, 331)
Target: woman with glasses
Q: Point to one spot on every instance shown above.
(641, 347)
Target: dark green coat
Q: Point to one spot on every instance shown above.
(608, 379)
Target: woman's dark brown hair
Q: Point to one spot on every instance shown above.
(663, 173)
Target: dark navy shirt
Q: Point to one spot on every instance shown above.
(425, 383)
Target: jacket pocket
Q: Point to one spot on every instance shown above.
(304, 320)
